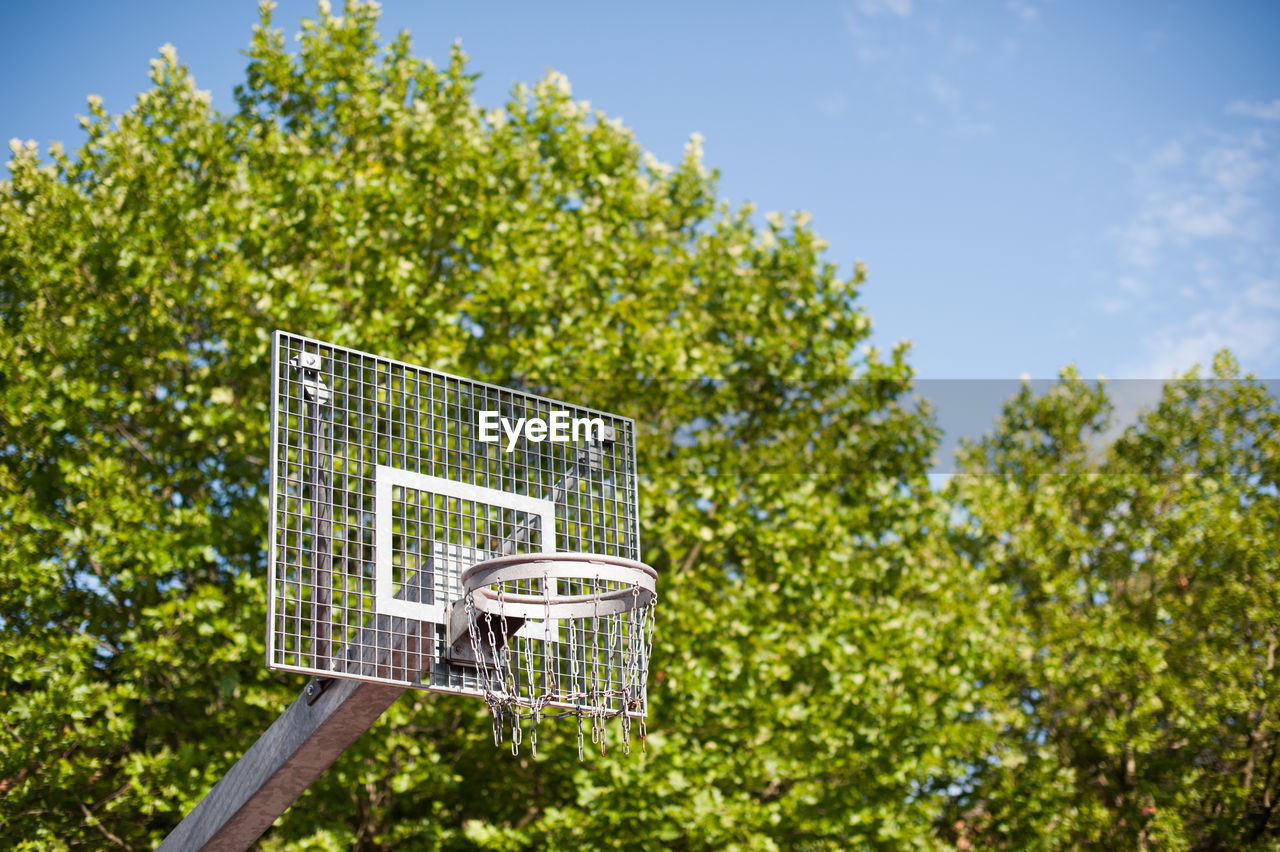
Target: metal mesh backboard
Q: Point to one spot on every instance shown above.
(386, 485)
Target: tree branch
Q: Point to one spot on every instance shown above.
(97, 823)
(136, 445)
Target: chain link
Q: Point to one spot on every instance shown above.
(606, 672)
(533, 733)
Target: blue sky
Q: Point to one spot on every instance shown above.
(1030, 183)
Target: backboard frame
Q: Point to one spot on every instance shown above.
(590, 506)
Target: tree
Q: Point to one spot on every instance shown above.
(817, 677)
(1145, 602)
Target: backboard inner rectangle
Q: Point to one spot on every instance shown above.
(430, 529)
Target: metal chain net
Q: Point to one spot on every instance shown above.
(593, 667)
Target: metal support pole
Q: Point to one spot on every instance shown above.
(274, 772)
(318, 451)
(327, 718)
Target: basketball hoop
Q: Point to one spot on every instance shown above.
(559, 634)
(411, 548)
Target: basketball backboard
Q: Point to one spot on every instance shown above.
(390, 480)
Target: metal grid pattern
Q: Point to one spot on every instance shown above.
(342, 422)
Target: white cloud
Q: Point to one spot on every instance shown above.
(1209, 193)
(1206, 216)
(1133, 286)
(868, 48)
(1131, 291)
(1199, 257)
(1264, 295)
(1024, 9)
(1236, 167)
(1236, 325)
(1254, 109)
(943, 92)
(1113, 305)
(961, 121)
(1208, 275)
(918, 52)
(868, 22)
(871, 8)
(1167, 156)
(833, 105)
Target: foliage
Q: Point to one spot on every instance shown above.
(814, 683)
(1072, 647)
(1145, 602)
